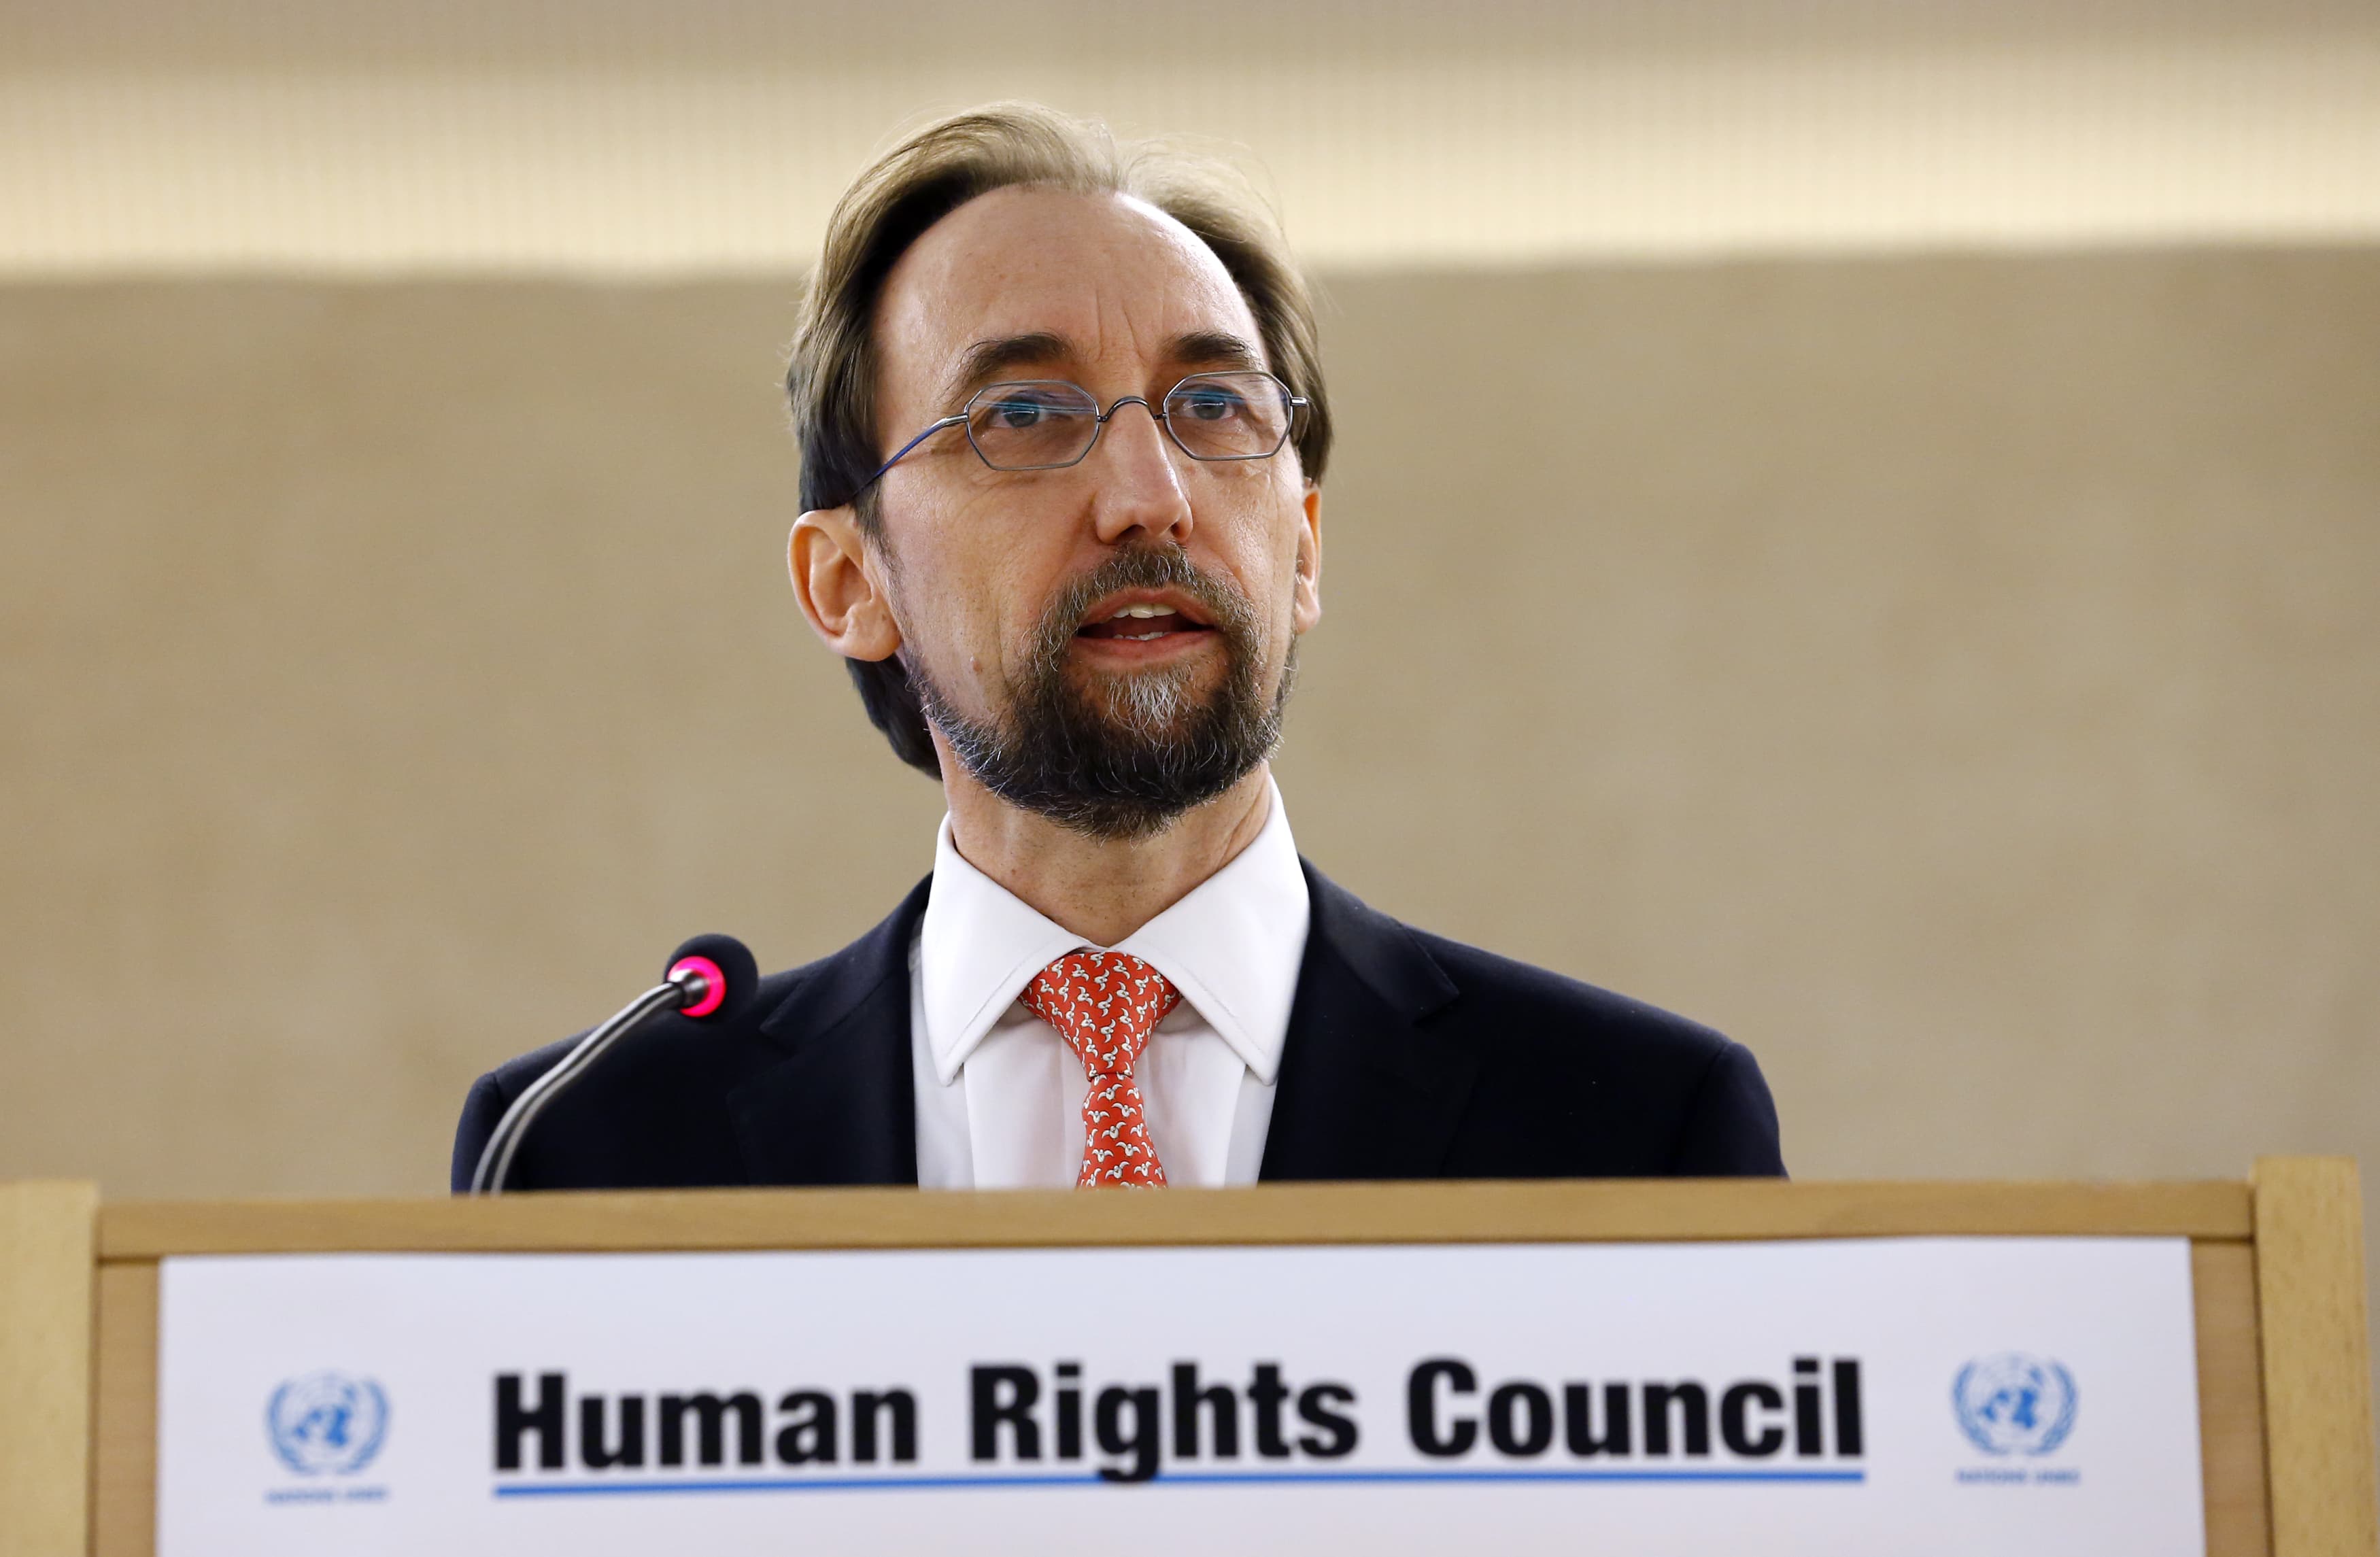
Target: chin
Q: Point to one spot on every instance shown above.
(1151, 702)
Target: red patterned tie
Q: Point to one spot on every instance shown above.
(1105, 1005)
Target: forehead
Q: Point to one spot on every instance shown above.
(1110, 273)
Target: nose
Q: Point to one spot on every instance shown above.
(1141, 487)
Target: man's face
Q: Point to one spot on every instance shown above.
(1011, 588)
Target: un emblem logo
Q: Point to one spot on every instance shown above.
(2012, 1404)
(327, 1422)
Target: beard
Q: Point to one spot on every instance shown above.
(1123, 757)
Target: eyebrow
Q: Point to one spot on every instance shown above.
(1214, 348)
(987, 359)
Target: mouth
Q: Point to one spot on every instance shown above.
(1146, 616)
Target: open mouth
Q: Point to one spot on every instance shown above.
(1145, 616)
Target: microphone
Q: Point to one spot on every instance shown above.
(709, 976)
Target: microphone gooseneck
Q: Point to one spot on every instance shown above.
(695, 985)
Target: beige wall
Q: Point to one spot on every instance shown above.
(1958, 678)
(705, 137)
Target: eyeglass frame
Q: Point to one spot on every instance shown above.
(964, 416)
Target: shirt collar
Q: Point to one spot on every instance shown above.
(1232, 946)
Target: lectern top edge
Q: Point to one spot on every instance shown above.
(1425, 1212)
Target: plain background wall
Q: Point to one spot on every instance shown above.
(704, 136)
(1958, 678)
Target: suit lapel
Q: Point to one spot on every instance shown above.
(841, 1107)
(1365, 1091)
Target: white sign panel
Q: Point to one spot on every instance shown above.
(1882, 1396)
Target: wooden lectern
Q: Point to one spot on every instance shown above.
(2284, 1382)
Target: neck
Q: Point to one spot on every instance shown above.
(1102, 889)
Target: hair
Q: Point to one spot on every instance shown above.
(831, 377)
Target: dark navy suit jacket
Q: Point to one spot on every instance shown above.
(1408, 1057)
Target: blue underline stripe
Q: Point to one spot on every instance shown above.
(1176, 1479)
(1228, 1477)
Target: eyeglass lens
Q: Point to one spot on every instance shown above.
(1042, 424)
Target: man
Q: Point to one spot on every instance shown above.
(1063, 431)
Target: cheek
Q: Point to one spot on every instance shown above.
(1282, 529)
(967, 587)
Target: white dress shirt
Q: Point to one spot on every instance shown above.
(1000, 1094)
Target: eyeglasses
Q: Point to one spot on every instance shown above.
(1047, 424)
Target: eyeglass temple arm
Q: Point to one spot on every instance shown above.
(948, 422)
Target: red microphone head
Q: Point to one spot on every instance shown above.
(714, 985)
(720, 975)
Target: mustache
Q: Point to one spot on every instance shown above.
(1151, 567)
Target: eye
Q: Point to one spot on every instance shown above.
(1028, 408)
(1209, 402)
(1016, 414)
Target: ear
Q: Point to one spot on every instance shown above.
(1305, 606)
(840, 588)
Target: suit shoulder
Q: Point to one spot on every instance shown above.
(660, 1109)
(664, 1083)
(1676, 1097)
(1525, 999)
(1542, 1076)
(512, 1078)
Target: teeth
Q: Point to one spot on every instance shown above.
(1143, 612)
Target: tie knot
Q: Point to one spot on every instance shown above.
(1103, 1003)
